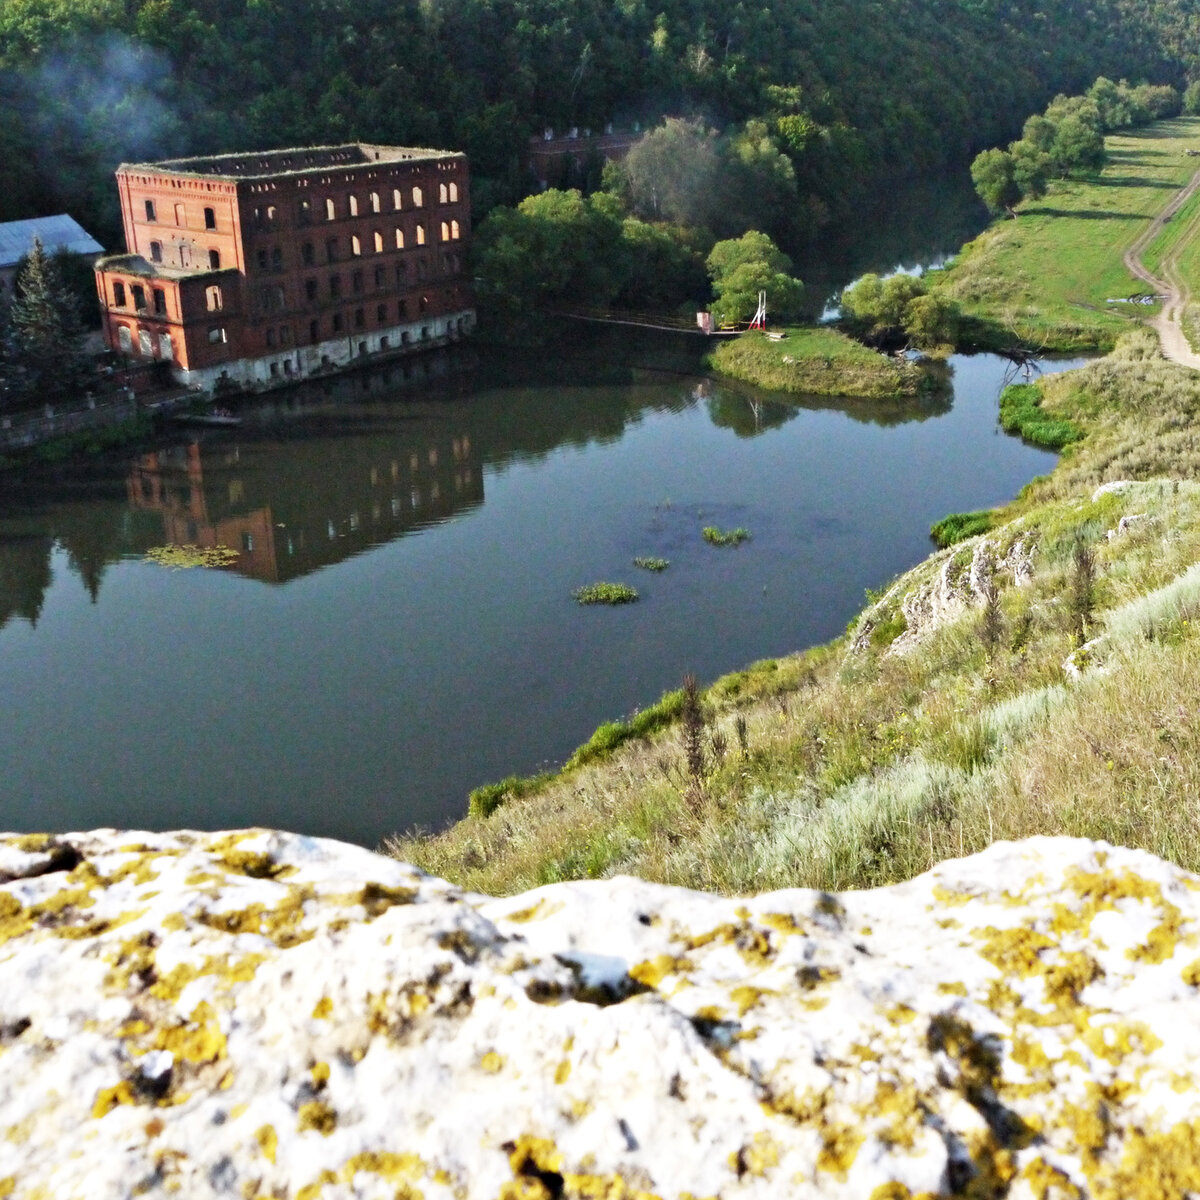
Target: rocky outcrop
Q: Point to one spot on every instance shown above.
(259, 1014)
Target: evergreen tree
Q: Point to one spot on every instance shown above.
(45, 362)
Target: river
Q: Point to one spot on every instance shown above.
(399, 625)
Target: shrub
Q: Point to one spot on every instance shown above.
(485, 800)
(957, 526)
(649, 563)
(1021, 412)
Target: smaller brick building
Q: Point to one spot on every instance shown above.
(254, 269)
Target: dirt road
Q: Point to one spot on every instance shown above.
(1168, 323)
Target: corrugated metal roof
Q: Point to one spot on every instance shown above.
(60, 232)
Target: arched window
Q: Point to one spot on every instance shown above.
(124, 339)
(397, 199)
(420, 235)
(445, 231)
(119, 296)
(354, 206)
(454, 231)
(378, 242)
(443, 193)
(213, 296)
(454, 193)
(355, 245)
(270, 213)
(399, 238)
(330, 210)
(418, 197)
(374, 201)
(214, 260)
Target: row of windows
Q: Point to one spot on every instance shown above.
(451, 232)
(137, 297)
(273, 297)
(340, 322)
(447, 194)
(210, 215)
(185, 256)
(148, 345)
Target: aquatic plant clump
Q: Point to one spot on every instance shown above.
(649, 563)
(605, 593)
(725, 537)
(177, 557)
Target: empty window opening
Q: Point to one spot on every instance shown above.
(362, 347)
(212, 296)
(378, 242)
(355, 245)
(379, 277)
(270, 337)
(308, 254)
(331, 250)
(418, 197)
(274, 370)
(381, 314)
(214, 260)
(304, 212)
(420, 235)
(374, 202)
(139, 297)
(399, 238)
(335, 286)
(360, 318)
(397, 199)
(262, 259)
(356, 281)
(271, 211)
(210, 218)
(354, 206)
(445, 231)
(424, 333)
(404, 342)
(401, 273)
(145, 344)
(402, 310)
(156, 252)
(124, 338)
(455, 233)
(160, 302)
(119, 295)
(337, 322)
(285, 335)
(330, 210)
(314, 331)
(383, 342)
(443, 193)
(151, 215)
(423, 305)
(165, 350)
(454, 193)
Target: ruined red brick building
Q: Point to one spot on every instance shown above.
(254, 269)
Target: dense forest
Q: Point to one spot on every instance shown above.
(849, 89)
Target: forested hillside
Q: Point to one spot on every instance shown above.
(850, 88)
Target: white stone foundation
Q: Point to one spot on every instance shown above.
(289, 364)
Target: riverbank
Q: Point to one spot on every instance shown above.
(817, 362)
(941, 721)
(1047, 280)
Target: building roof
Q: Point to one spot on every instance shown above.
(297, 160)
(135, 264)
(62, 232)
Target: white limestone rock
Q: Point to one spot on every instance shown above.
(259, 1014)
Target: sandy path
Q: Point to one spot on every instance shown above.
(1168, 323)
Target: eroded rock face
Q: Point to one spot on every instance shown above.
(259, 1014)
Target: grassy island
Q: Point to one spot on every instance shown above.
(817, 362)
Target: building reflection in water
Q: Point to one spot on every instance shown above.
(290, 508)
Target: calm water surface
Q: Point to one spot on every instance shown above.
(399, 626)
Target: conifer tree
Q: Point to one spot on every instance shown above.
(45, 360)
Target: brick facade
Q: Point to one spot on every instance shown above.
(253, 269)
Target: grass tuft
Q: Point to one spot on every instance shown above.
(725, 537)
(1021, 412)
(649, 563)
(606, 593)
(957, 527)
